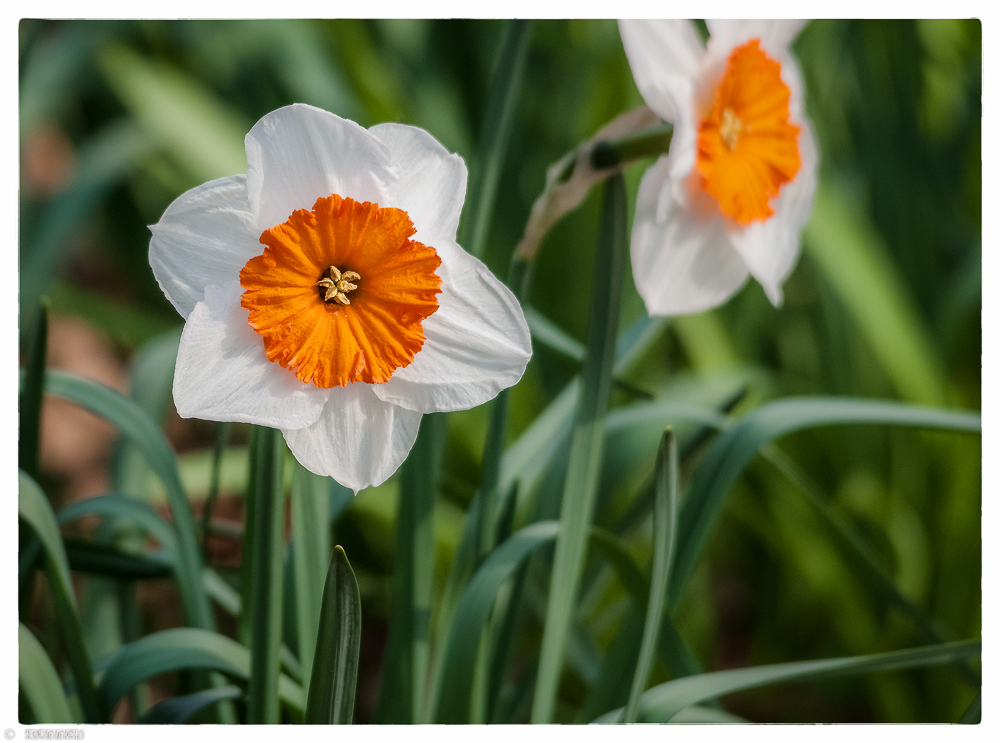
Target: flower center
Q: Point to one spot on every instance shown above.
(309, 324)
(747, 146)
(730, 128)
(334, 286)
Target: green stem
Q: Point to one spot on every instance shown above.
(221, 439)
(648, 143)
(267, 567)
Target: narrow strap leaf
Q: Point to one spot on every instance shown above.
(734, 448)
(583, 474)
(459, 656)
(130, 419)
(178, 710)
(458, 660)
(496, 133)
(183, 648)
(861, 556)
(30, 404)
(664, 531)
(39, 682)
(663, 702)
(338, 645)
(34, 510)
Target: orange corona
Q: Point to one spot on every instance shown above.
(340, 293)
(747, 147)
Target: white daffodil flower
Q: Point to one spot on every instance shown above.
(324, 293)
(735, 191)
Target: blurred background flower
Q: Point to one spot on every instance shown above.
(117, 118)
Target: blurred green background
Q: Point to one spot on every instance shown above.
(118, 118)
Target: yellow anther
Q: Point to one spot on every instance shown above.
(334, 285)
(730, 128)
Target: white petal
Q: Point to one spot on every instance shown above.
(665, 57)
(477, 344)
(771, 248)
(358, 440)
(682, 260)
(299, 153)
(774, 35)
(223, 374)
(431, 181)
(204, 237)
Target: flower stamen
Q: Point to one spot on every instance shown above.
(730, 128)
(335, 286)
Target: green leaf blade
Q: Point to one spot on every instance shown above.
(30, 404)
(461, 645)
(33, 509)
(734, 448)
(130, 419)
(39, 681)
(496, 134)
(663, 702)
(335, 666)
(583, 474)
(664, 533)
(177, 710)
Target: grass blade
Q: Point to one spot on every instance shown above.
(310, 554)
(458, 660)
(734, 448)
(30, 404)
(114, 505)
(496, 133)
(107, 560)
(267, 568)
(664, 532)
(586, 451)
(150, 381)
(405, 669)
(33, 509)
(129, 418)
(847, 249)
(618, 663)
(861, 555)
(973, 714)
(663, 702)
(177, 710)
(459, 657)
(39, 682)
(183, 648)
(204, 136)
(335, 667)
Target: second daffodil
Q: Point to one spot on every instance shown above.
(325, 294)
(735, 191)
